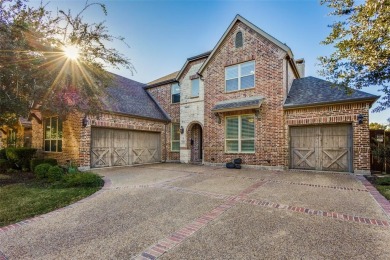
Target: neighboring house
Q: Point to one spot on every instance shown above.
(18, 135)
(246, 98)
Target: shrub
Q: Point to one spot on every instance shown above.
(55, 173)
(20, 156)
(35, 161)
(385, 181)
(5, 165)
(3, 155)
(42, 170)
(83, 179)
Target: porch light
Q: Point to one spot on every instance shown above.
(181, 130)
(85, 121)
(360, 119)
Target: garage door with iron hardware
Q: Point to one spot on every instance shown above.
(323, 148)
(111, 147)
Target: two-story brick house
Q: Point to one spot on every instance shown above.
(246, 98)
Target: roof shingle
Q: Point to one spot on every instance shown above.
(311, 91)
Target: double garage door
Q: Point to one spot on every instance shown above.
(111, 147)
(323, 148)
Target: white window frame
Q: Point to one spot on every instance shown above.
(172, 138)
(175, 93)
(239, 76)
(192, 86)
(239, 134)
(52, 139)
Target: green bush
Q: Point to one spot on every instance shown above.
(41, 170)
(83, 179)
(385, 181)
(3, 155)
(5, 165)
(55, 173)
(20, 156)
(35, 161)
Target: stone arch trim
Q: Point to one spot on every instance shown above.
(188, 132)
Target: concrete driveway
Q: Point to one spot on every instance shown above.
(175, 211)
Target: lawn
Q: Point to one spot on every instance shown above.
(28, 198)
(384, 190)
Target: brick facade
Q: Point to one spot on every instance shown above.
(269, 81)
(333, 114)
(162, 94)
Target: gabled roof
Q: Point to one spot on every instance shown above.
(253, 27)
(126, 96)
(194, 58)
(311, 91)
(163, 80)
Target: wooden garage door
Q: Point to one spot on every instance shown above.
(324, 148)
(111, 147)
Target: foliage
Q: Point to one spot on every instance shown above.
(26, 200)
(20, 156)
(3, 154)
(36, 161)
(381, 152)
(378, 126)
(384, 190)
(82, 179)
(34, 69)
(385, 181)
(5, 165)
(362, 42)
(42, 170)
(55, 173)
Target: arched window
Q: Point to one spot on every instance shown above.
(239, 40)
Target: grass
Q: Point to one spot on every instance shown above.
(384, 190)
(30, 198)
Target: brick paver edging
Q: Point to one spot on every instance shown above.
(379, 198)
(319, 186)
(334, 215)
(107, 185)
(169, 242)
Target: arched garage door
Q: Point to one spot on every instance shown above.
(112, 147)
(322, 147)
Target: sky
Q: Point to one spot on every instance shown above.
(162, 34)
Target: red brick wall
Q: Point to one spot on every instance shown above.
(269, 83)
(346, 113)
(162, 94)
(71, 127)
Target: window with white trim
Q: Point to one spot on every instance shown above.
(175, 91)
(175, 137)
(240, 76)
(53, 134)
(240, 134)
(195, 87)
(11, 138)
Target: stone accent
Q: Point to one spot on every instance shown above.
(333, 114)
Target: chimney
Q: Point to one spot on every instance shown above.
(301, 67)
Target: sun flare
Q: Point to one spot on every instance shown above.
(71, 52)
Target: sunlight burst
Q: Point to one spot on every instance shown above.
(71, 52)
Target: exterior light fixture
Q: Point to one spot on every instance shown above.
(85, 121)
(218, 118)
(360, 119)
(181, 130)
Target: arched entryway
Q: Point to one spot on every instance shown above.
(195, 142)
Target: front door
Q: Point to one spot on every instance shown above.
(196, 143)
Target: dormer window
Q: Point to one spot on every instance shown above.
(239, 40)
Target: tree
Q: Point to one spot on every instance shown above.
(378, 126)
(56, 63)
(362, 43)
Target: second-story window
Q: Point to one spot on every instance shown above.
(240, 76)
(239, 41)
(175, 90)
(195, 88)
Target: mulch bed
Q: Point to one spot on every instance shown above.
(16, 177)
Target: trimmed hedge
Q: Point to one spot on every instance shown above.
(5, 165)
(41, 170)
(20, 156)
(55, 173)
(35, 162)
(83, 179)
